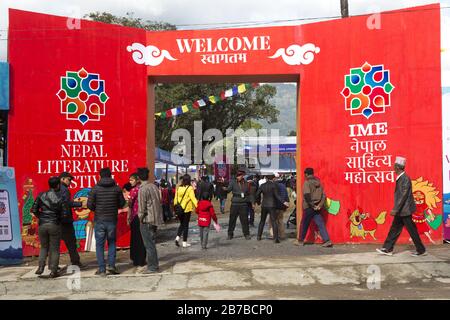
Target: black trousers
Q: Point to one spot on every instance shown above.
(396, 230)
(184, 225)
(240, 211)
(68, 236)
(272, 212)
(137, 248)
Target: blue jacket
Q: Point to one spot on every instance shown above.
(282, 191)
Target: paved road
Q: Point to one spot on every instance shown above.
(247, 269)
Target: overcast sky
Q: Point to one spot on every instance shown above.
(187, 12)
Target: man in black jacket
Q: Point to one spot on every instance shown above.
(239, 204)
(105, 199)
(404, 206)
(67, 230)
(49, 209)
(205, 187)
(269, 191)
(220, 193)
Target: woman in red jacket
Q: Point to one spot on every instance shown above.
(205, 211)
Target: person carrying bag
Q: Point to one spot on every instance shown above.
(184, 203)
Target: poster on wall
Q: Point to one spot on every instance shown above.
(446, 159)
(88, 118)
(381, 108)
(10, 238)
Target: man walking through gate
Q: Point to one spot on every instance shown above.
(313, 202)
(239, 204)
(404, 207)
(67, 230)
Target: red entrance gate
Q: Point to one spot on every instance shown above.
(84, 98)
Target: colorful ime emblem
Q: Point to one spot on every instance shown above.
(82, 96)
(367, 90)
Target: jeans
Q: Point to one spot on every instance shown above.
(222, 205)
(273, 218)
(105, 230)
(308, 215)
(241, 211)
(148, 233)
(184, 225)
(204, 232)
(68, 236)
(396, 230)
(50, 238)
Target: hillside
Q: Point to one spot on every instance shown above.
(286, 102)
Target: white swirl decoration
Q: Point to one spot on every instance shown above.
(296, 54)
(148, 55)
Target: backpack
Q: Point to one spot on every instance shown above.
(179, 210)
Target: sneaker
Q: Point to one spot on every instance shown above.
(113, 270)
(186, 245)
(146, 271)
(277, 241)
(385, 252)
(258, 238)
(418, 254)
(40, 270)
(100, 273)
(247, 237)
(54, 274)
(327, 244)
(177, 241)
(447, 241)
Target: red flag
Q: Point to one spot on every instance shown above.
(196, 105)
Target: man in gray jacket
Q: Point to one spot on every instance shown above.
(150, 216)
(404, 206)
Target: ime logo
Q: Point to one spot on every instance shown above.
(82, 96)
(367, 90)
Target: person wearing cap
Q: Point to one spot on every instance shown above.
(404, 207)
(67, 229)
(313, 202)
(240, 200)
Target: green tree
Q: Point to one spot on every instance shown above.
(253, 105)
(130, 21)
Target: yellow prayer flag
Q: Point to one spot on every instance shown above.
(212, 99)
(184, 108)
(241, 88)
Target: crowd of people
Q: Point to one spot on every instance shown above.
(150, 205)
